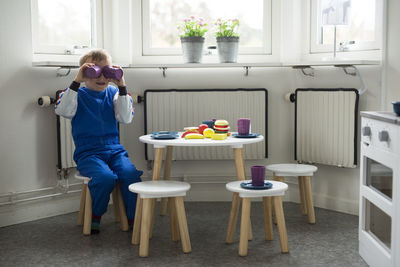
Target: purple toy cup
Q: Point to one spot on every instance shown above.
(243, 125)
(112, 73)
(93, 72)
(257, 175)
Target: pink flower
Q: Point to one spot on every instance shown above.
(192, 17)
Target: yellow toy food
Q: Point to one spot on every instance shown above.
(217, 136)
(208, 132)
(194, 136)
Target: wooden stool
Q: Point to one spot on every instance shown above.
(269, 195)
(85, 209)
(149, 190)
(303, 172)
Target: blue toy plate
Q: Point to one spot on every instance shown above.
(164, 136)
(252, 135)
(165, 132)
(249, 185)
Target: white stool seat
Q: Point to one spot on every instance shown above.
(278, 189)
(85, 179)
(289, 169)
(157, 189)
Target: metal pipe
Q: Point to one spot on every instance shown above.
(38, 198)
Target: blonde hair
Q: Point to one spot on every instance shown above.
(95, 55)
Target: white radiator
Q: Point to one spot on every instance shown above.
(66, 145)
(172, 110)
(326, 126)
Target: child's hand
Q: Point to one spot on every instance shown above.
(80, 77)
(120, 82)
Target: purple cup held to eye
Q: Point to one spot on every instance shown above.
(257, 175)
(93, 72)
(112, 73)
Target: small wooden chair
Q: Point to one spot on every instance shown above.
(147, 192)
(303, 172)
(85, 210)
(270, 197)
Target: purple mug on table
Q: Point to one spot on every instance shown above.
(257, 175)
(243, 125)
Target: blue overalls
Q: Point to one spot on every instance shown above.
(99, 154)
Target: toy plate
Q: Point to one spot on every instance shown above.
(165, 132)
(164, 136)
(252, 135)
(249, 185)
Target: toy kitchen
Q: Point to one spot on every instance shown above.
(379, 225)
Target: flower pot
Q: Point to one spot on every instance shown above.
(192, 48)
(228, 49)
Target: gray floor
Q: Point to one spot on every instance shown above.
(57, 241)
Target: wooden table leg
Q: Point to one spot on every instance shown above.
(267, 203)
(137, 222)
(244, 227)
(158, 156)
(303, 201)
(167, 175)
(241, 175)
(309, 200)
(280, 218)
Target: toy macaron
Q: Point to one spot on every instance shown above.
(221, 126)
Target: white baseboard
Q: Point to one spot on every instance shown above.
(202, 189)
(39, 209)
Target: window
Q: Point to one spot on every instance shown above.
(359, 25)
(161, 17)
(59, 26)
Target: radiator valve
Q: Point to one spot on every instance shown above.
(45, 101)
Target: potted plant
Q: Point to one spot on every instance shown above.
(192, 31)
(227, 40)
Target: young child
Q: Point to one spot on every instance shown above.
(95, 111)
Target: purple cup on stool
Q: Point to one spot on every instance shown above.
(243, 125)
(257, 175)
(112, 73)
(93, 72)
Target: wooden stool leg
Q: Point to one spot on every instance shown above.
(280, 218)
(244, 227)
(122, 210)
(250, 235)
(230, 234)
(309, 200)
(87, 222)
(153, 210)
(81, 213)
(145, 228)
(183, 228)
(167, 174)
(117, 212)
(302, 196)
(267, 203)
(137, 222)
(173, 220)
(279, 179)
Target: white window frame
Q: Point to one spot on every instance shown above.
(143, 54)
(96, 29)
(325, 48)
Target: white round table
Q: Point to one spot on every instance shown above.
(234, 142)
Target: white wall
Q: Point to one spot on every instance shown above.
(28, 153)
